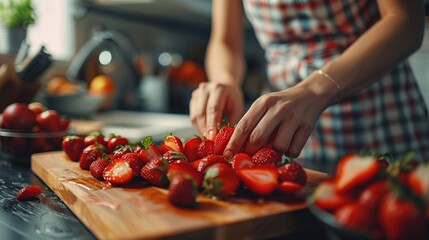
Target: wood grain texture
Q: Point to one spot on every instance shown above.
(140, 211)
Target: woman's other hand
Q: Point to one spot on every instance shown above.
(212, 101)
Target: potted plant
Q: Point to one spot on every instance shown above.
(15, 17)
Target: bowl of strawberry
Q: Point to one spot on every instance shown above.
(372, 197)
(30, 128)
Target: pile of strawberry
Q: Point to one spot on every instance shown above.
(380, 199)
(186, 168)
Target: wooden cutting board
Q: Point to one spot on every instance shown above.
(143, 212)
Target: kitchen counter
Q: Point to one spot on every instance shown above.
(49, 218)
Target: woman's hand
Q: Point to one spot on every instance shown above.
(283, 119)
(210, 102)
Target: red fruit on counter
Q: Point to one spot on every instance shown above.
(172, 156)
(147, 150)
(182, 192)
(220, 181)
(172, 142)
(116, 142)
(205, 148)
(241, 160)
(292, 172)
(222, 139)
(190, 148)
(73, 147)
(118, 172)
(327, 198)
(266, 156)
(155, 172)
(184, 168)
(355, 216)
(89, 155)
(122, 150)
(94, 138)
(210, 160)
(29, 192)
(354, 171)
(261, 180)
(135, 162)
(49, 120)
(401, 218)
(288, 187)
(18, 116)
(418, 179)
(97, 168)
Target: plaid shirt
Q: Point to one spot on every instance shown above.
(300, 36)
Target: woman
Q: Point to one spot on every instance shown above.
(340, 73)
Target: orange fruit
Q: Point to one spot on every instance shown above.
(101, 85)
(60, 86)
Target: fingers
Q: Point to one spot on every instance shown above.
(215, 108)
(297, 144)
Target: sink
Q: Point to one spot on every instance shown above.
(137, 125)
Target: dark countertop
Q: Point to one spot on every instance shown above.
(47, 217)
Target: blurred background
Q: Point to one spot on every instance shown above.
(152, 50)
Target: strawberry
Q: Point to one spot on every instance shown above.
(266, 156)
(97, 168)
(241, 160)
(210, 160)
(328, 199)
(89, 155)
(95, 137)
(418, 180)
(182, 192)
(289, 187)
(222, 139)
(220, 181)
(402, 218)
(184, 168)
(135, 162)
(172, 142)
(292, 172)
(118, 172)
(29, 192)
(205, 148)
(196, 163)
(121, 150)
(171, 156)
(190, 148)
(262, 180)
(73, 147)
(155, 172)
(354, 171)
(115, 142)
(373, 194)
(355, 216)
(147, 150)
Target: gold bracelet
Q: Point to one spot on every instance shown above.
(321, 72)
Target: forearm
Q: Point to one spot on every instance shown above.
(393, 38)
(389, 41)
(225, 64)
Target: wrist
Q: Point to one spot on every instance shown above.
(326, 89)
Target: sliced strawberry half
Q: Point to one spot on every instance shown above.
(241, 160)
(262, 180)
(289, 187)
(418, 179)
(327, 198)
(354, 171)
(118, 172)
(210, 160)
(172, 142)
(29, 192)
